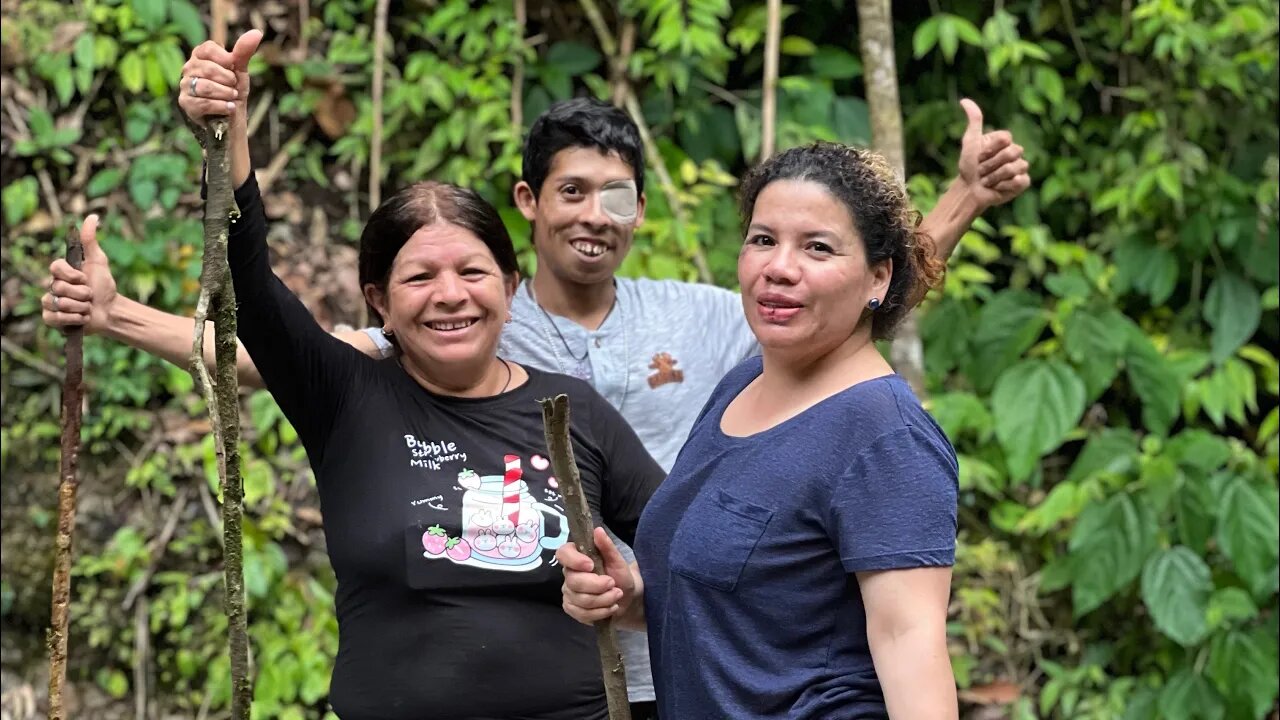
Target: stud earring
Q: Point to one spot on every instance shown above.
(873, 304)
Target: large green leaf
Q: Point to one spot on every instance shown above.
(1095, 341)
(1109, 545)
(1243, 666)
(1233, 309)
(1112, 450)
(1249, 533)
(1189, 696)
(1035, 403)
(1008, 325)
(1194, 514)
(1199, 451)
(1155, 382)
(1175, 587)
(945, 329)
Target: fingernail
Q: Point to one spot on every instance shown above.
(231, 107)
(236, 94)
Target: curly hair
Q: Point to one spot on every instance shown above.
(877, 202)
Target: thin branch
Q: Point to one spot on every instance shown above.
(218, 22)
(375, 140)
(517, 72)
(72, 402)
(157, 549)
(667, 183)
(719, 92)
(769, 106)
(141, 650)
(1069, 16)
(607, 42)
(267, 176)
(555, 424)
(620, 78)
(22, 355)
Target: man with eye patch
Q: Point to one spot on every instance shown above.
(655, 349)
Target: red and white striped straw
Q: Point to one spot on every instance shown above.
(510, 494)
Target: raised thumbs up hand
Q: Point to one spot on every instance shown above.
(215, 82)
(990, 163)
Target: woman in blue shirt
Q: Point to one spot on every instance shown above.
(797, 561)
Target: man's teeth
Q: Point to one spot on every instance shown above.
(589, 248)
(454, 325)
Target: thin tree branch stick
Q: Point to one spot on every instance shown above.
(141, 648)
(267, 176)
(72, 402)
(667, 183)
(22, 355)
(607, 42)
(157, 549)
(620, 75)
(517, 72)
(555, 423)
(375, 140)
(769, 104)
(216, 286)
(218, 22)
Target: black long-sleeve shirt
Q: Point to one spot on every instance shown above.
(441, 516)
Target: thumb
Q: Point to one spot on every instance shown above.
(974, 113)
(615, 565)
(89, 239)
(244, 49)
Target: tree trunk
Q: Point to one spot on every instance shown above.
(879, 67)
(769, 102)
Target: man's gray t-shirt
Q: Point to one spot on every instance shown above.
(657, 357)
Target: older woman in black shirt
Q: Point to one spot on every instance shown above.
(441, 515)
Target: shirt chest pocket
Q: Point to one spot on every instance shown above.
(715, 539)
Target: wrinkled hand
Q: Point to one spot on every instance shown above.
(221, 81)
(588, 597)
(80, 298)
(990, 163)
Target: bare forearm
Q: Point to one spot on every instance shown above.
(950, 219)
(915, 673)
(169, 337)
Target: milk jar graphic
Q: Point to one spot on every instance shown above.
(504, 527)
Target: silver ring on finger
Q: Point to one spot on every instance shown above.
(194, 80)
(54, 302)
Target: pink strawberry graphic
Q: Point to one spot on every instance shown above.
(458, 549)
(434, 540)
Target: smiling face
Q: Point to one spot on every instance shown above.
(803, 271)
(446, 300)
(582, 231)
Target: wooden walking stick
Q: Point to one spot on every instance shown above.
(217, 296)
(555, 423)
(72, 401)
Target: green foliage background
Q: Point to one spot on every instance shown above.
(1103, 354)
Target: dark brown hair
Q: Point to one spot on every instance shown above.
(417, 206)
(865, 184)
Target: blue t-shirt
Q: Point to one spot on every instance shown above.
(748, 551)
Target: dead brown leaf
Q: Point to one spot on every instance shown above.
(335, 112)
(1000, 692)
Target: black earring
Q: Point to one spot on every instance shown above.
(873, 304)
